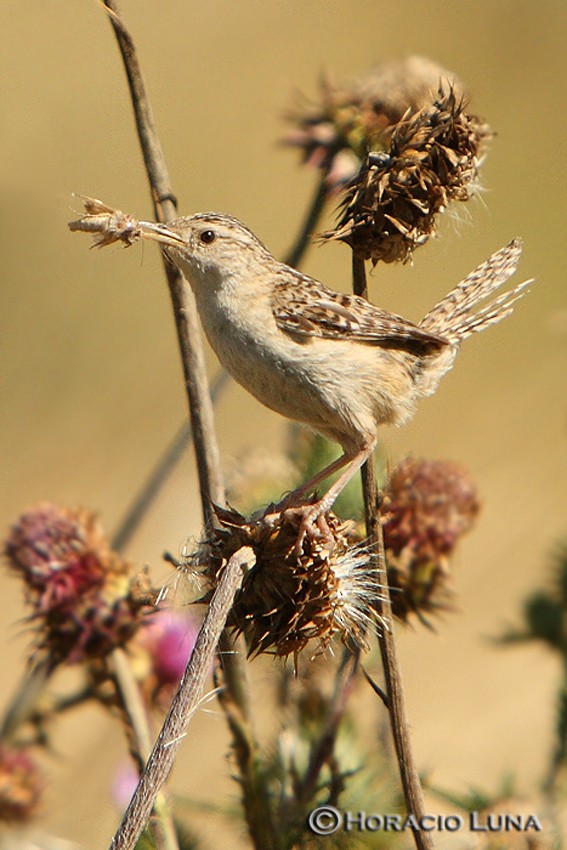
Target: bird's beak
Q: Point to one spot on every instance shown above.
(161, 233)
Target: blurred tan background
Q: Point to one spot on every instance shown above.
(91, 380)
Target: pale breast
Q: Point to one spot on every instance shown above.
(341, 389)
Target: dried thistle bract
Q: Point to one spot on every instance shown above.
(287, 600)
(353, 118)
(433, 157)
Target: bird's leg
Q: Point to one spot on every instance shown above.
(310, 485)
(313, 516)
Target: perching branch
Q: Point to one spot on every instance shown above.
(136, 719)
(413, 794)
(185, 316)
(184, 310)
(184, 703)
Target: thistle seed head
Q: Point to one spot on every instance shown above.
(354, 118)
(84, 597)
(432, 158)
(428, 506)
(287, 600)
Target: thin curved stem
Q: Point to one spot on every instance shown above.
(184, 704)
(189, 338)
(411, 784)
(184, 309)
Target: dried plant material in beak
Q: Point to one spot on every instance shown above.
(107, 224)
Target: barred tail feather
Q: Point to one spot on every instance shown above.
(490, 315)
(452, 318)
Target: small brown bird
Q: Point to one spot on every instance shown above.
(334, 362)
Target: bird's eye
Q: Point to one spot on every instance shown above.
(208, 236)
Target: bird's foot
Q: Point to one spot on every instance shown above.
(313, 525)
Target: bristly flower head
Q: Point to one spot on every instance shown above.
(85, 599)
(428, 506)
(434, 154)
(287, 601)
(402, 143)
(355, 118)
(21, 786)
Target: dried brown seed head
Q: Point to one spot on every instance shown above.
(288, 601)
(354, 118)
(428, 506)
(85, 598)
(433, 158)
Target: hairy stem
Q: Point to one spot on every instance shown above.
(136, 716)
(184, 310)
(411, 785)
(186, 322)
(184, 703)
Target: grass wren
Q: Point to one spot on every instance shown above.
(332, 361)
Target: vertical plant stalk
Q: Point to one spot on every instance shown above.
(136, 718)
(189, 338)
(184, 310)
(184, 704)
(324, 746)
(296, 252)
(413, 794)
(234, 699)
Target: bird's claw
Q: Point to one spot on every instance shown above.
(313, 525)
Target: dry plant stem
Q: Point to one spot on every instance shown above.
(411, 785)
(22, 707)
(295, 254)
(185, 314)
(323, 751)
(251, 774)
(163, 827)
(184, 310)
(184, 703)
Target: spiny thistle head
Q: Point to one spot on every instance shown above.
(433, 158)
(354, 118)
(21, 785)
(287, 600)
(428, 506)
(84, 597)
